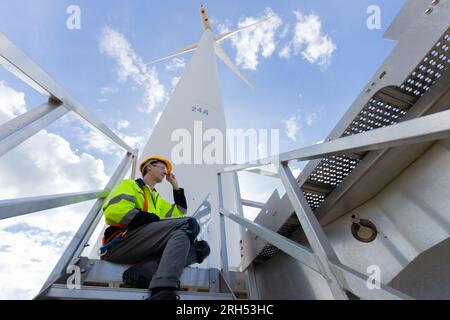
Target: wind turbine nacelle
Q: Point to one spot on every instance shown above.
(205, 19)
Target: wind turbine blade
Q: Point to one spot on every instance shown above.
(182, 51)
(226, 35)
(224, 57)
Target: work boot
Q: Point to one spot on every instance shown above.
(137, 277)
(164, 294)
(202, 249)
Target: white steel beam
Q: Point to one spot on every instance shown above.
(314, 232)
(27, 125)
(25, 119)
(428, 128)
(253, 204)
(295, 250)
(250, 279)
(356, 283)
(32, 74)
(19, 207)
(223, 236)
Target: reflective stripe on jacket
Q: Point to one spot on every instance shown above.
(127, 200)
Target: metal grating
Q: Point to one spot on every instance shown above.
(267, 252)
(332, 170)
(430, 69)
(376, 114)
(379, 112)
(314, 200)
(286, 230)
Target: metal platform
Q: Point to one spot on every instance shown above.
(60, 292)
(103, 280)
(301, 246)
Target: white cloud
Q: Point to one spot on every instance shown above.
(285, 52)
(104, 91)
(130, 65)
(311, 119)
(296, 172)
(292, 126)
(94, 140)
(32, 248)
(108, 90)
(256, 41)
(122, 124)
(135, 142)
(285, 31)
(310, 41)
(174, 81)
(42, 165)
(12, 102)
(175, 64)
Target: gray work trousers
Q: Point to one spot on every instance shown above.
(157, 242)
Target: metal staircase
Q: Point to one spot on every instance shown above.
(289, 247)
(411, 84)
(102, 280)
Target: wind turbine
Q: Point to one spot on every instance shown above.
(195, 107)
(217, 39)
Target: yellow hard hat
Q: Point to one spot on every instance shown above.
(159, 158)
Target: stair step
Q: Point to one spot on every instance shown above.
(60, 291)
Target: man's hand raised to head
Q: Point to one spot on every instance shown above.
(172, 180)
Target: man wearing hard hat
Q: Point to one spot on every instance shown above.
(148, 232)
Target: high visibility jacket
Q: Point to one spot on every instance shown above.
(126, 203)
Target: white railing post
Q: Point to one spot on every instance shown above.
(223, 237)
(249, 272)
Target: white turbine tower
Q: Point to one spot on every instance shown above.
(195, 107)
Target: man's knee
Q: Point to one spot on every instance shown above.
(190, 227)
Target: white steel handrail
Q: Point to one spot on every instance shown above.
(427, 128)
(18, 207)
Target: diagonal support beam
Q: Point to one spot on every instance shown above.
(295, 250)
(353, 280)
(357, 283)
(19, 129)
(23, 120)
(314, 232)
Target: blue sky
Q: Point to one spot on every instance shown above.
(302, 97)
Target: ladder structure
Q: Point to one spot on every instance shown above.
(317, 240)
